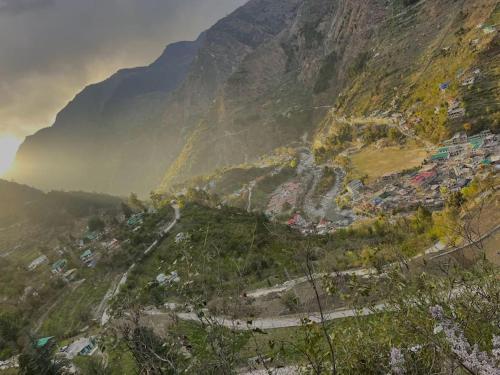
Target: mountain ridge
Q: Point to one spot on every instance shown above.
(260, 78)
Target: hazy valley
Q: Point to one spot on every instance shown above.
(310, 187)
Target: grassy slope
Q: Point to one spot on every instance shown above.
(378, 162)
(231, 251)
(420, 48)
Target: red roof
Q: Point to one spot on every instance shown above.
(295, 218)
(422, 177)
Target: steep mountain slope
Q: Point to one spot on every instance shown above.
(104, 139)
(355, 57)
(98, 139)
(266, 75)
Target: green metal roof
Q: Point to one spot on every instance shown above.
(476, 143)
(59, 263)
(135, 219)
(443, 149)
(440, 156)
(86, 253)
(43, 341)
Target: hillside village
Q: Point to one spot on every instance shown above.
(450, 167)
(75, 263)
(312, 252)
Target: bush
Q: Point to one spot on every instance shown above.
(95, 224)
(326, 73)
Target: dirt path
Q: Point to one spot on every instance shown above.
(439, 248)
(250, 191)
(115, 288)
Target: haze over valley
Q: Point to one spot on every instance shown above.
(249, 187)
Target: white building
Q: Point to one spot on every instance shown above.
(85, 346)
(469, 81)
(163, 279)
(456, 113)
(37, 262)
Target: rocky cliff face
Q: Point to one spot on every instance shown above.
(354, 57)
(260, 78)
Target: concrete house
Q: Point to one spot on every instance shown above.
(37, 262)
(59, 266)
(456, 113)
(423, 178)
(469, 81)
(136, 219)
(163, 279)
(42, 342)
(70, 275)
(81, 347)
(87, 256)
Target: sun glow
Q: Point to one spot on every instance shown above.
(8, 148)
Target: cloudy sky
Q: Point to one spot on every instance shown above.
(51, 49)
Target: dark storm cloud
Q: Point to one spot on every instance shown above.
(50, 49)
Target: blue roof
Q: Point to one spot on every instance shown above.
(444, 86)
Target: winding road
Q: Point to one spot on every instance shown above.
(296, 320)
(115, 289)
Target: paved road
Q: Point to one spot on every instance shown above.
(439, 248)
(482, 238)
(361, 272)
(286, 321)
(291, 370)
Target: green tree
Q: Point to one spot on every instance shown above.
(126, 210)
(94, 366)
(95, 224)
(41, 361)
(135, 202)
(156, 199)
(10, 329)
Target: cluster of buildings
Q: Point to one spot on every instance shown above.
(453, 166)
(135, 221)
(305, 227)
(287, 194)
(87, 245)
(84, 346)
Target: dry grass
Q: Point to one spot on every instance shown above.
(378, 162)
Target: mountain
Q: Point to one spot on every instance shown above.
(22, 202)
(106, 128)
(265, 76)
